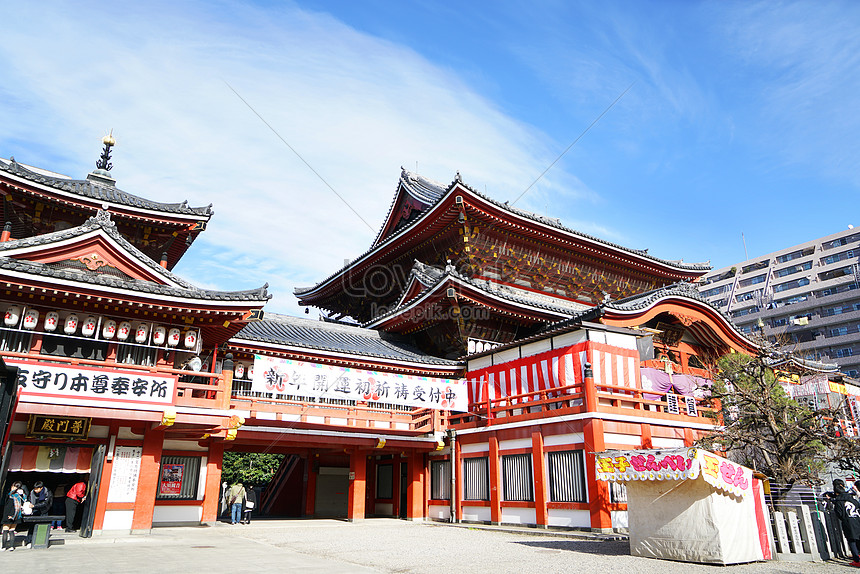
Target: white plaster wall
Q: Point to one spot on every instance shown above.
(597, 336)
(476, 513)
(126, 434)
(615, 438)
(506, 355)
(167, 514)
(515, 443)
(619, 519)
(564, 439)
(265, 416)
(662, 442)
(536, 348)
(477, 447)
(621, 340)
(118, 520)
(480, 363)
(519, 516)
(569, 518)
(99, 431)
(568, 339)
(438, 512)
(184, 445)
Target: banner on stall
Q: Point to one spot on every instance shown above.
(313, 380)
(674, 464)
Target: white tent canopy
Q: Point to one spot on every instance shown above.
(690, 505)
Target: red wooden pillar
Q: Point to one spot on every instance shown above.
(539, 462)
(689, 438)
(495, 482)
(415, 487)
(357, 485)
(645, 432)
(147, 484)
(456, 488)
(598, 499)
(212, 492)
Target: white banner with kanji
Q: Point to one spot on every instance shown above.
(274, 375)
(59, 382)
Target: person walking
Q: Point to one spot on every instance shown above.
(236, 499)
(847, 509)
(250, 503)
(12, 509)
(74, 497)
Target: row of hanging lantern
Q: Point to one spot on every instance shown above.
(240, 371)
(110, 328)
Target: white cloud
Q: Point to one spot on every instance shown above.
(356, 108)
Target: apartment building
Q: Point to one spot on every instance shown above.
(805, 296)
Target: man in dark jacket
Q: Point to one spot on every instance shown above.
(41, 499)
(847, 509)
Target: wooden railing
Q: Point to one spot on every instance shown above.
(580, 398)
(358, 416)
(193, 389)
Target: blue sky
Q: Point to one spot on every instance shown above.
(742, 118)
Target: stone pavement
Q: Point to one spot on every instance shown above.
(375, 545)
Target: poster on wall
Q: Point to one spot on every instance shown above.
(298, 378)
(171, 479)
(125, 473)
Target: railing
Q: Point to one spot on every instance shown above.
(193, 389)
(417, 421)
(583, 397)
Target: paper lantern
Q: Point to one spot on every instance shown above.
(239, 371)
(13, 315)
(141, 333)
(124, 331)
(52, 319)
(88, 328)
(190, 339)
(31, 319)
(109, 329)
(158, 335)
(251, 371)
(71, 324)
(173, 337)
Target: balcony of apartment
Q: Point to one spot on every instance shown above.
(587, 397)
(310, 413)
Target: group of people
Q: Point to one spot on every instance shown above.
(39, 501)
(241, 500)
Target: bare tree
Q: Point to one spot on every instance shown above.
(764, 428)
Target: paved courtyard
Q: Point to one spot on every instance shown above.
(378, 545)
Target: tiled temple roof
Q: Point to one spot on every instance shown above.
(99, 191)
(176, 286)
(335, 337)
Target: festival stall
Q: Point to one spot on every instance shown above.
(690, 505)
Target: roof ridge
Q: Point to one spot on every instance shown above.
(109, 193)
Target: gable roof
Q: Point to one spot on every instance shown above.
(98, 235)
(98, 192)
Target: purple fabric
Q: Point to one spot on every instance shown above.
(662, 382)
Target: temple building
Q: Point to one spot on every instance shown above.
(457, 270)
(467, 368)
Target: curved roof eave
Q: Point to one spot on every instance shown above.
(86, 190)
(642, 255)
